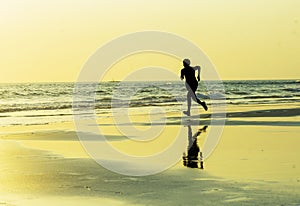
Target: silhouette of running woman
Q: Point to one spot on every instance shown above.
(191, 84)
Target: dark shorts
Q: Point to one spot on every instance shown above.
(193, 85)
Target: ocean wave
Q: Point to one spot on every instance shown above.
(267, 97)
(34, 108)
(292, 90)
(237, 92)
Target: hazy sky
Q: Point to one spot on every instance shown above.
(50, 40)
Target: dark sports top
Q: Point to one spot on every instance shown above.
(189, 74)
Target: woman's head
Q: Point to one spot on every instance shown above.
(186, 62)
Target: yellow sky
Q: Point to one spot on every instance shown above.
(50, 40)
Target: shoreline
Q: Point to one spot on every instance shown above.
(232, 112)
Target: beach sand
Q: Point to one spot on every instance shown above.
(257, 162)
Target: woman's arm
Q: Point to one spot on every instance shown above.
(182, 75)
(198, 68)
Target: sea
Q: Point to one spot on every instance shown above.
(44, 103)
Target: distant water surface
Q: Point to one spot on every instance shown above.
(42, 103)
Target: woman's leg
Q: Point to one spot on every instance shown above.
(202, 103)
(191, 88)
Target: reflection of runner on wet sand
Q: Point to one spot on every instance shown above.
(191, 84)
(194, 156)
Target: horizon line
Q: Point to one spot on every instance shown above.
(27, 82)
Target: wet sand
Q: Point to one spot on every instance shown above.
(255, 163)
